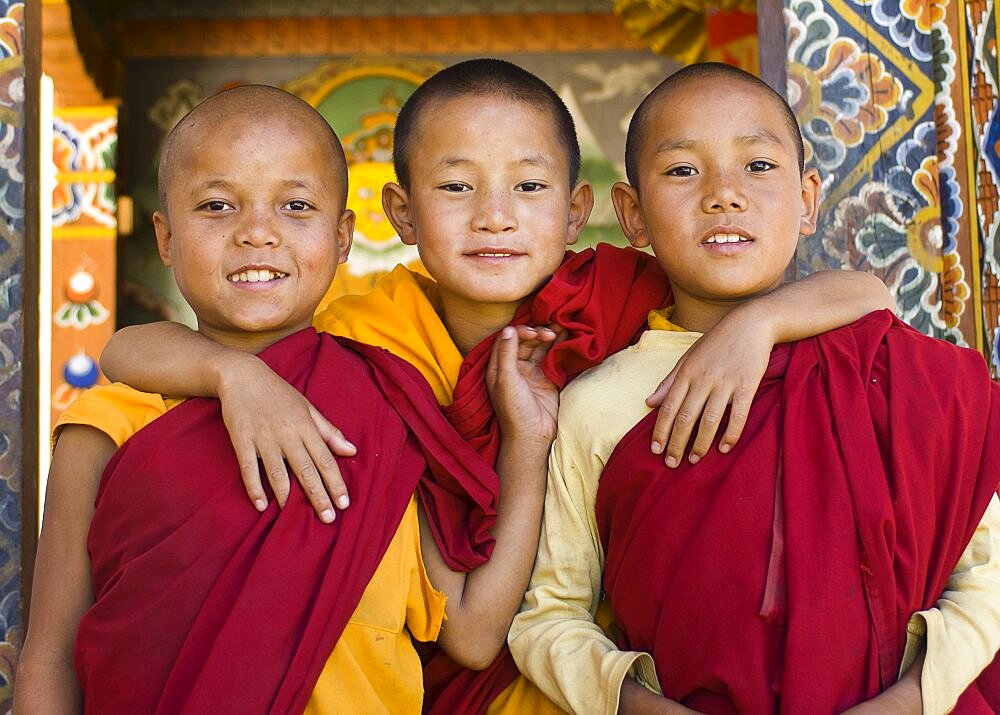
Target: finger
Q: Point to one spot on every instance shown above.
(335, 485)
(493, 366)
(660, 393)
(329, 472)
(333, 437)
(276, 471)
(246, 455)
(312, 483)
(507, 351)
(738, 415)
(684, 423)
(708, 426)
(667, 415)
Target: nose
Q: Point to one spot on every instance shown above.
(723, 193)
(258, 229)
(494, 212)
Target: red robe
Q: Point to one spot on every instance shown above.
(602, 298)
(205, 605)
(786, 571)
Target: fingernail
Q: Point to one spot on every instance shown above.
(671, 462)
(725, 447)
(656, 447)
(507, 333)
(694, 458)
(327, 516)
(261, 504)
(343, 502)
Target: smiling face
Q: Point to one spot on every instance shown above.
(722, 201)
(254, 224)
(488, 206)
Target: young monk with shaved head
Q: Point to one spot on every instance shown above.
(845, 556)
(159, 587)
(488, 190)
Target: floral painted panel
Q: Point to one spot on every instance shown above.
(877, 86)
(11, 302)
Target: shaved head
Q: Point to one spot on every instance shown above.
(705, 73)
(255, 102)
(483, 77)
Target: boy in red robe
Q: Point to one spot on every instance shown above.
(842, 544)
(487, 162)
(159, 587)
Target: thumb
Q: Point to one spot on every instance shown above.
(333, 437)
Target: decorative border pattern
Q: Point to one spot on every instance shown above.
(873, 83)
(11, 300)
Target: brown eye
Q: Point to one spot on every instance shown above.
(759, 166)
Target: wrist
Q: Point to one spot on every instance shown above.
(230, 369)
(764, 313)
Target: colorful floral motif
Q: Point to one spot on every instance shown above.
(90, 149)
(871, 82)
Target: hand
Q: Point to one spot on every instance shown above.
(526, 402)
(724, 367)
(904, 697)
(268, 417)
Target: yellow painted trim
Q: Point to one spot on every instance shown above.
(83, 233)
(100, 111)
(971, 160)
(342, 78)
(12, 62)
(889, 136)
(105, 176)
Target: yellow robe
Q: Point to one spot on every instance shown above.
(401, 314)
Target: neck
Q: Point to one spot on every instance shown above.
(248, 342)
(469, 324)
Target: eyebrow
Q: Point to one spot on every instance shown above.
(536, 160)
(760, 136)
(213, 184)
(228, 186)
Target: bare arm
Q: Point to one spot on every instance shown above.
(482, 603)
(46, 679)
(901, 698)
(265, 416)
(637, 700)
(727, 364)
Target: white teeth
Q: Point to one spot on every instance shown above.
(726, 238)
(260, 275)
(494, 255)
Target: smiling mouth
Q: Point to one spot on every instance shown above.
(255, 275)
(495, 253)
(720, 238)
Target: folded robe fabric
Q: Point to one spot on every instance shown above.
(601, 297)
(203, 604)
(869, 457)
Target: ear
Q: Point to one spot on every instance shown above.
(396, 204)
(581, 203)
(162, 228)
(625, 197)
(811, 186)
(345, 235)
